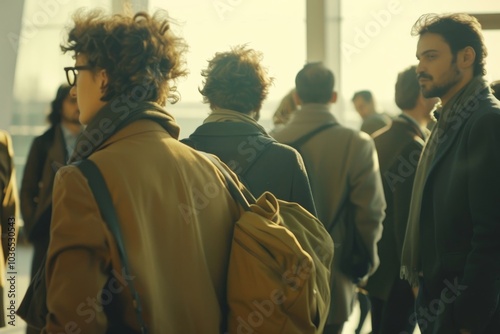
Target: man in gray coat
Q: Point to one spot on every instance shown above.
(343, 170)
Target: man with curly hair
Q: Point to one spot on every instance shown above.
(451, 249)
(175, 215)
(235, 86)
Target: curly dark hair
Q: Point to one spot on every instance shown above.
(459, 30)
(56, 106)
(139, 51)
(235, 80)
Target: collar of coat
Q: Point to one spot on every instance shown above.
(227, 129)
(113, 117)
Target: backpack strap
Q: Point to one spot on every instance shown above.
(244, 197)
(302, 140)
(103, 198)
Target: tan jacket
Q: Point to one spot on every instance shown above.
(177, 221)
(340, 160)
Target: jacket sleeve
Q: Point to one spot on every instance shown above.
(480, 285)
(78, 260)
(367, 193)
(32, 176)
(301, 189)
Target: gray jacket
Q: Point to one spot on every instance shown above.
(340, 161)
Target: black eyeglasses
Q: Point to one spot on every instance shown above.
(72, 72)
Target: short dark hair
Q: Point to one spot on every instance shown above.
(139, 51)
(236, 80)
(495, 87)
(407, 89)
(55, 115)
(364, 94)
(459, 31)
(314, 83)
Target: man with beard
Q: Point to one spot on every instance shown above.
(48, 152)
(451, 249)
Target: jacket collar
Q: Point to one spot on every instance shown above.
(466, 105)
(313, 113)
(412, 124)
(132, 129)
(227, 129)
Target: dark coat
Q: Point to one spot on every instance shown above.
(375, 122)
(47, 154)
(460, 224)
(398, 147)
(262, 163)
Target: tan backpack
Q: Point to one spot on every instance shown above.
(279, 267)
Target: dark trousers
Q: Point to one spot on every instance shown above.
(333, 329)
(394, 316)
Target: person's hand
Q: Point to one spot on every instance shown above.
(465, 331)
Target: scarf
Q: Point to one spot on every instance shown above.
(226, 115)
(410, 257)
(113, 117)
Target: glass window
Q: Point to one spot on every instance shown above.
(276, 28)
(377, 45)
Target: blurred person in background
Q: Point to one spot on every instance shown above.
(284, 111)
(495, 87)
(47, 154)
(364, 103)
(398, 147)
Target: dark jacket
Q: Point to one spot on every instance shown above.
(375, 122)
(262, 163)
(398, 147)
(460, 222)
(47, 154)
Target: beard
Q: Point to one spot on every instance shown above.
(440, 90)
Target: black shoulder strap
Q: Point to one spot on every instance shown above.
(242, 197)
(248, 166)
(302, 140)
(108, 212)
